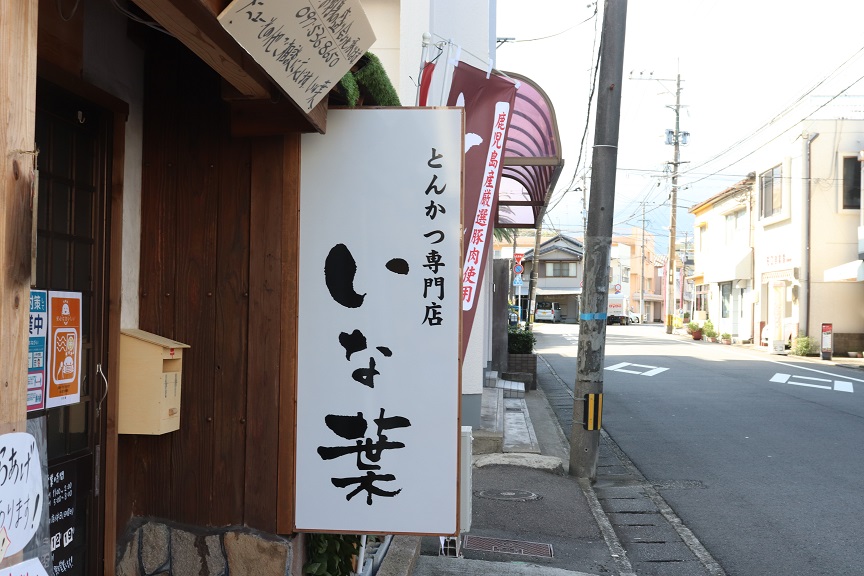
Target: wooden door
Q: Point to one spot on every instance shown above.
(73, 139)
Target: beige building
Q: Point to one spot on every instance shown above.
(796, 223)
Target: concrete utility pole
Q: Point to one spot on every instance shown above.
(670, 292)
(642, 273)
(588, 388)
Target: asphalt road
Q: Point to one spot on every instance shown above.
(759, 455)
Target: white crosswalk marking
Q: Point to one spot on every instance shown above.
(795, 380)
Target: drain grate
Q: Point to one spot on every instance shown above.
(483, 544)
(510, 495)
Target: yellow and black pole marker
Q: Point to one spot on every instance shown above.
(593, 417)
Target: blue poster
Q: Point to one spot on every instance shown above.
(37, 350)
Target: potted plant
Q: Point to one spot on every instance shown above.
(521, 360)
(709, 331)
(726, 338)
(695, 330)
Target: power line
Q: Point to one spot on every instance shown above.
(781, 133)
(779, 115)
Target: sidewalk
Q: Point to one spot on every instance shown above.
(529, 517)
(532, 519)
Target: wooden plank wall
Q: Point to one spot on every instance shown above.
(211, 277)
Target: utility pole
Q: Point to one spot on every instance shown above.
(670, 292)
(584, 442)
(642, 273)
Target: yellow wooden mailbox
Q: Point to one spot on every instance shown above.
(151, 369)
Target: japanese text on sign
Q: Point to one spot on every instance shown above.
(21, 498)
(379, 329)
(305, 46)
(477, 240)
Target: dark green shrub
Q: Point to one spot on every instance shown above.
(331, 554)
(520, 340)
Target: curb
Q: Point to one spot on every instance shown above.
(401, 556)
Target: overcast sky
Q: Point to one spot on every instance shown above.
(742, 63)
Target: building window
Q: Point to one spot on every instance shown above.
(625, 274)
(561, 269)
(851, 183)
(725, 299)
(735, 232)
(702, 297)
(771, 190)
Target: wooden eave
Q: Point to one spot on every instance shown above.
(259, 107)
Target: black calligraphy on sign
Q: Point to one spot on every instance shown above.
(340, 271)
(433, 286)
(368, 451)
(356, 342)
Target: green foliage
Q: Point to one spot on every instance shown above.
(520, 340)
(692, 327)
(686, 317)
(804, 346)
(725, 336)
(330, 554)
(708, 329)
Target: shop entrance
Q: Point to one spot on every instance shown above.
(73, 139)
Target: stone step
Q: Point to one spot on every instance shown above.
(512, 388)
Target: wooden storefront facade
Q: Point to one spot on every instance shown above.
(211, 150)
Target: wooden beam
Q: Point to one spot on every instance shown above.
(18, 31)
(194, 24)
(288, 325)
(250, 118)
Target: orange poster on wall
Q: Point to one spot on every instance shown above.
(64, 348)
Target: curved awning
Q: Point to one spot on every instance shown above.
(532, 158)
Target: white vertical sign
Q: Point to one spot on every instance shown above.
(379, 317)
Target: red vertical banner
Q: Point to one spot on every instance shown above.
(64, 348)
(488, 102)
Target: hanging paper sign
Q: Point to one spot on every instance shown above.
(305, 46)
(64, 348)
(31, 567)
(21, 498)
(37, 350)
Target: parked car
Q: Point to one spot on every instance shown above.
(634, 318)
(548, 312)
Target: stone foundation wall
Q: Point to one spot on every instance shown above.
(156, 548)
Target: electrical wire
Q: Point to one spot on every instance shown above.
(690, 183)
(789, 108)
(505, 41)
(135, 18)
(592, 90)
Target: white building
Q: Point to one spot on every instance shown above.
(801, 215)
(723, 261)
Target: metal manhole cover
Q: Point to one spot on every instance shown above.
(483, 544)
(510, 495)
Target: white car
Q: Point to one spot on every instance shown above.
(634, 318)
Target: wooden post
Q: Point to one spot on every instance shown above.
(18, 26)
